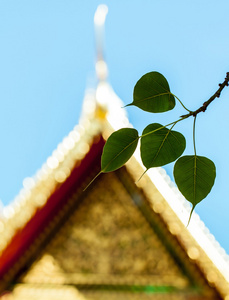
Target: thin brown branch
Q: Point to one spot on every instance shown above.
(213, 97)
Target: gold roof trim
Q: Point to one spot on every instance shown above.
(166, 200)
(37, 189)
(189, 238)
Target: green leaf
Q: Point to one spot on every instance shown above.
(118, 149)
(160, 147)
(194, 176)
(152, 93)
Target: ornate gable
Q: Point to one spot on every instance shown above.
(110, 244)
(117, 240)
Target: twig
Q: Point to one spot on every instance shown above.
(205, 104)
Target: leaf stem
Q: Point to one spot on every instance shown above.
(194, 139)
(182, 103)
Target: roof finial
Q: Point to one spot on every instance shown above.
(99, 21)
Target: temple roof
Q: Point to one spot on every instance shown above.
(66, 171)
(121, 236)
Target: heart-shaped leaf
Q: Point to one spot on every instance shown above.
(152, 93)
(194, 176)
(160, 147)
(118, 149)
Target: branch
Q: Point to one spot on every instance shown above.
(205, 104)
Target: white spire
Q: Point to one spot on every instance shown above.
(99, 21)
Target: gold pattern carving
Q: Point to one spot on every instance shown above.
(106, 242)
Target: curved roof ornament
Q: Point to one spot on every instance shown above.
(103, 103)
(108, 104)
(99, 21)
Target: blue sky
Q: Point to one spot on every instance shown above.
(47, 58)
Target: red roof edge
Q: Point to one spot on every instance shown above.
(26, 236)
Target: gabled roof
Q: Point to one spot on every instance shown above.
(50, 197)
(34, 214)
